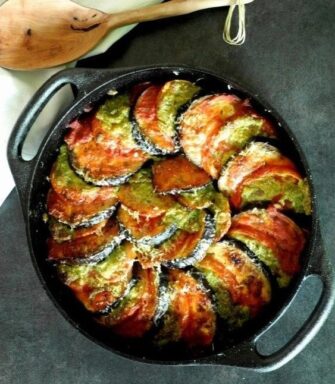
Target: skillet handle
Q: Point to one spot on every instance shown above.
(247, 356)
(83, 81)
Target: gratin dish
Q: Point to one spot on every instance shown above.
(90, 86)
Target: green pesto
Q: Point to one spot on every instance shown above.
(174, 95)
(242, 129)
(267, 256)
(64, 175)
(183, 218)
(114, 114)
(142, 191)
(221, 211)
(127, 301)
(294, 195)
(59, 231)
(99, 275)
(235, 315)
(200, 198)
(238, 133)
(170, 331)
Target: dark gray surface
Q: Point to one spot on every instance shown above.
(289, 60)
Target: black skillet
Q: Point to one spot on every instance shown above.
(31, 181)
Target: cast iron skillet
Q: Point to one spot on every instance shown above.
(31, 181)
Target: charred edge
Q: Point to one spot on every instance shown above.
(204, 285)
(200, 250)
(265, 269)
(87, 29)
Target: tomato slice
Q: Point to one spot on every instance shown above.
(93, 247)
(78, 213)
(276, 232)
(100, 286)
(134, 315)
(178, 174)
(190, 317)
(242, 289)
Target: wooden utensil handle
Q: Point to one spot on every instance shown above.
(169, 9)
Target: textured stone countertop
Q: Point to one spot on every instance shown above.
(288, 59)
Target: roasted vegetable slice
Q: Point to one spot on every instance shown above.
(81, 214)
(222, 216)
(99, 286)
(178, 174)
(70, 186)
(216, 127)
(261, 173)
(91, 248)
(184, 247)
(110, 155)
(274, 238)
(134, 314)
(139, 196)
(231, 138)
(214, 201)
(190, 318)
(172, 97)
(61, 232)
(241, 287)
(146, 130)
(145, 229)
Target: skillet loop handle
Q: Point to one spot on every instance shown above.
(319, 265)
(22, 169)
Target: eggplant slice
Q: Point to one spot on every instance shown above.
(134, 315)
(240, 285)
(108, 155)
(261, 173)
(100, 286)
(274, 238)
(190, 319)
(184, 248)
(87, 249)
(66, 183)
(216, 127)
(82, 214)
(145, 230)
(178, 174)
(155, 113)
(61, 232)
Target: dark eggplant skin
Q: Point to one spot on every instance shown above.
(201, 248)
(96, 219)
(150, 241)
(145, 144)
(108, 309)
(96, 257)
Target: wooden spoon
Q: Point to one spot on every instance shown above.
(45, 33)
